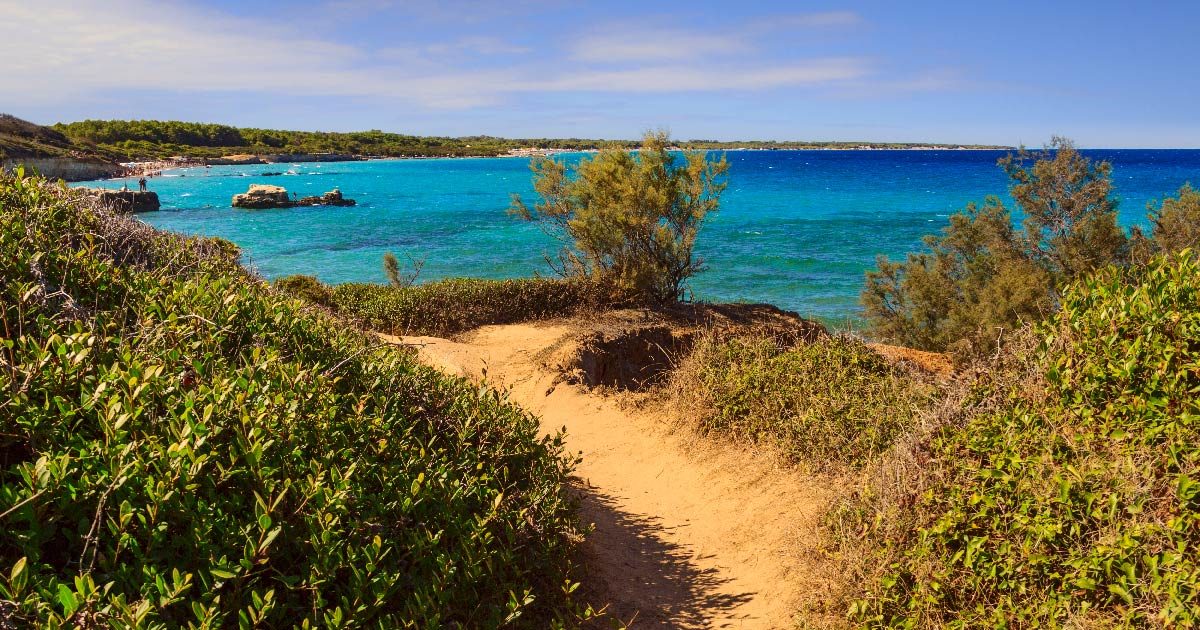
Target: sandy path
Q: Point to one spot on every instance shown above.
(687, 535)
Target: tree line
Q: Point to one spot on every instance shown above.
(148, 139)
(156, 139)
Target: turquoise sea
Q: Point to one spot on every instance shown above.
(796, 228)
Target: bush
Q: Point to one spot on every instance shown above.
(982, 276)
(1174, 225)
(307, 288)
(448, 307)
(181, 446)
(827, 404)
(1071, 498)
(628, 221)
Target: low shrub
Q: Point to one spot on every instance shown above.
(448, 307)
(181, 446)
(1066, 492)
(826, 404)
(307, 288)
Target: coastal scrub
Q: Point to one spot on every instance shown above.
(181, 445)
(628, 221)
(1062, 489)
(446, 307)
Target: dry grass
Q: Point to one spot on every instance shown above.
(869, 524)
(827, 405)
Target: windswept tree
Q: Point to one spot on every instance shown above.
(1174, 225)
(628, 220)
(982, 275)
(397, 275)
(1070, 217)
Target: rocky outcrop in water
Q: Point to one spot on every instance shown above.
(126, 200)
(331, 198)
(261, 196)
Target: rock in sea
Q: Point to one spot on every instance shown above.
(126, 200)
(267, 196)
(263, 196)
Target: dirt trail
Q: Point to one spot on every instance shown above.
(687, 535)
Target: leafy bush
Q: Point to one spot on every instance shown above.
(1174, 225)
(982, 276)
(181, 446)
(627, 220)
(1071, 498)
(307, 288)
(447, 307)
(833, 402)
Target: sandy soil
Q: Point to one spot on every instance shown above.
(687, 534)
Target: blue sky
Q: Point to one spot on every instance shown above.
(1107, 74)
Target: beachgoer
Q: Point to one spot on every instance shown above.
(142, 184)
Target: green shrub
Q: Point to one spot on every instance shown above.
(1071, 498)
(1174, 225)
(628, 220)
(833, 402)
(447, 307)
(983, 277)
(307, 288)
(181, 446)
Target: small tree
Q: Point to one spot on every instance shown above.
(974, 280)
(398, 277)
(1174, 225)
(628, 220)
(982, 275)
(1070, 219)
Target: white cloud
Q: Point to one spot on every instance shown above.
(75, 48)
(625, 43)
(70, 47)
(653, 46)
(478, 45)
(706, 78)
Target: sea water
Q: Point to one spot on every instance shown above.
(797, 229)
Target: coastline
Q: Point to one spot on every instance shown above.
(154, 168)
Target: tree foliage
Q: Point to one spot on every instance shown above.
(983, 275)
(628, 220)
(1174, 225)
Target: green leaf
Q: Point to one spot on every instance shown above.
(1119, 591)
(66, 597)
(222, 574)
